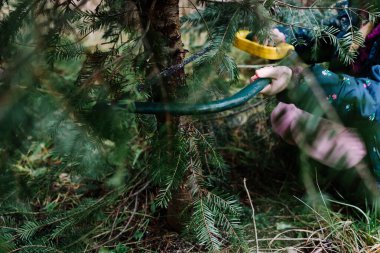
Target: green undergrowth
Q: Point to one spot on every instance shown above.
(78, 214)
(287, 218)
(79, 176)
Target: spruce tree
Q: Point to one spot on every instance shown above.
(73, 158)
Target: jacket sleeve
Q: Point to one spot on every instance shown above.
(354, 99)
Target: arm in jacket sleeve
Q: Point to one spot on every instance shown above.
(356, 100)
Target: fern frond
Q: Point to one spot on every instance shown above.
(224, 202)
(172, 182)
(12, 24)
(27, 231)
(65, 50)
(203, 221)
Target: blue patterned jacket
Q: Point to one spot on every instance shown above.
(356, 99)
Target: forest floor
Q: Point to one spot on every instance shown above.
(296, 209)
(287, 218)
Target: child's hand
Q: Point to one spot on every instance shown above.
(365, 30)
(274, 38)
(280, 76)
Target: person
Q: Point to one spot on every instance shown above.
(353, 92)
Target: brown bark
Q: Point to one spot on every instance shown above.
(165, 20)
(163, 45)
(307, 2)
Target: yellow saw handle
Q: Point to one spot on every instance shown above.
(270, 53)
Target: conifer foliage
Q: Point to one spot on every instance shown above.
(75, 170)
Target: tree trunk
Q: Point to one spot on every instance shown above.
(163, 46)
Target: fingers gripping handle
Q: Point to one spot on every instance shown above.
(235, 100)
